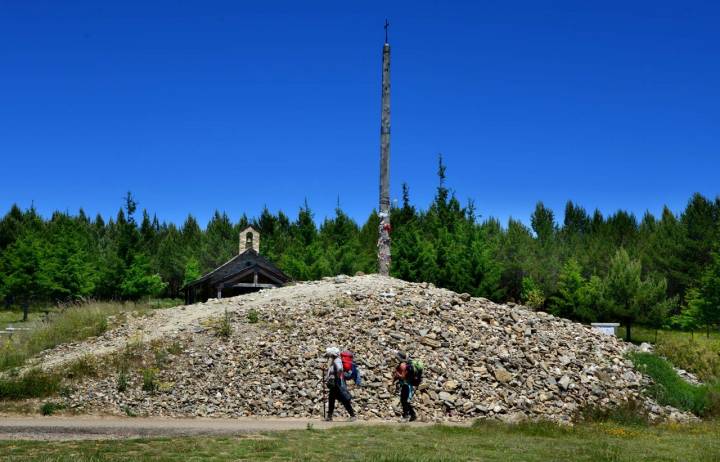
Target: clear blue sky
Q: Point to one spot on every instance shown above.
(196, 106)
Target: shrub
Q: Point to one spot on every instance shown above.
(150, 379)
(253, 316)
(161, 357)
(175, 348)
(135, 347)
(49, 407)
(123, 377)
(532, 295)
(128, 411)
(224, 327)
(343, 302)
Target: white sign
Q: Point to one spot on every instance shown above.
(607, 328)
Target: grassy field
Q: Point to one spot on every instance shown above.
(71, 324)
(644, 334)
(487, 442)
(14, 317)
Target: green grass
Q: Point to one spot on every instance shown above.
(70, 324)
(645, 334)
(486, 442)
(14, 317)
(670, 388)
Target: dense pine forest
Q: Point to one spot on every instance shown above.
(658, 271)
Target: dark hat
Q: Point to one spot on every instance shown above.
(401, 356)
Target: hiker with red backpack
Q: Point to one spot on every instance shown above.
(336, 384)
(408, 376)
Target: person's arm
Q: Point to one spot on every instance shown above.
(400, 372)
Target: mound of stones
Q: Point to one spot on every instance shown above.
(482, 360)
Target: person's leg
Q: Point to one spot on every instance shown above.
(411, 409)
(404, 400)
(348, 406)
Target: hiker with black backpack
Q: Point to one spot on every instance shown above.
(337, 387)
(408, 376)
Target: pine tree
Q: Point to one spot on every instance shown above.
(192, 271)
(220, 243)
(140, 281)
(532, 295)
(486, 271)
(690, 317)
(709, 293)
(66, 270)
(515, 255)
(632, 299)
(569, 301)
(663, 252)
(21, 267)
(621, 288)
(170, 260)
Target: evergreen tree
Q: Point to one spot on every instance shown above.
(663, 253)
(532, 295)
(192, 271)
(66, 270)
(171, 260)
(621, 288)
(128, 235)
(709, 293)
(21, 268)
(543, 223)
(630, 298)
(149, 234)
(700, 221)
(515, 254)
(690, 317)
(486, 271)
(569, 301)
(220, 243)
(11, 226)
(140, 281)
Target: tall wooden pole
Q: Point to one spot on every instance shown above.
(384, 228)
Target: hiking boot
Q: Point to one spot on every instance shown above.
(352, 418)
(404, 419)
(328, 419)
(413, 418)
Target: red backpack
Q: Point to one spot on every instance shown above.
(347, 360)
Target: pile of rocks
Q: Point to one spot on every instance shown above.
(482, 360)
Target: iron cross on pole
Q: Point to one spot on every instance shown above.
(387, 24)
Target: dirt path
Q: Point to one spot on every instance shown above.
(77, 428)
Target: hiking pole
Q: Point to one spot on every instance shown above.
(322, 385)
